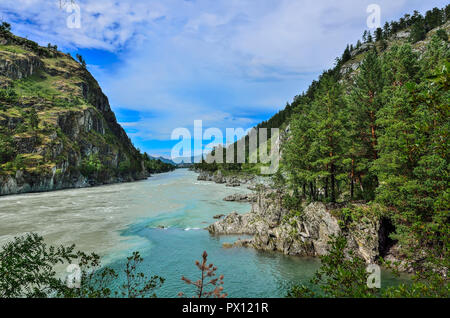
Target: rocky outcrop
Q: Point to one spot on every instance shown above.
(20, 67)
(303, 234)
(363, 48)
(62, 132)
(220, 178)
(241, 197)
(66, 154)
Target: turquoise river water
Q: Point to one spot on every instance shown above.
(118, 219)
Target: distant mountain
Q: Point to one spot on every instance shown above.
(187, 160)
(165, 160)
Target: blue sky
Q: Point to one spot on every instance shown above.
(231, 63)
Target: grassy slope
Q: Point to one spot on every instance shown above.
(53, 92)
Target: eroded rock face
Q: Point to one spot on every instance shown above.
(73, 125)
(241, 197)
(306, 234)
(235, 223)
(20, 67)
(230, 181)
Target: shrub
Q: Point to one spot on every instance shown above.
(442, 34)
(8, 95)
(7, 151)
(91, 166)
(27, 270)
(338, 276)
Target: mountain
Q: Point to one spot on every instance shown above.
(57, 129)
(165, 160)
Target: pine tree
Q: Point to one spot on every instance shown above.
(297, 155)
(386, 30)
(418, 31)
(329, 114)
(365, 101)
(414, 153)
(378, 34)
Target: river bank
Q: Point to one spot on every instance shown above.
(306, 232)
(116, 220)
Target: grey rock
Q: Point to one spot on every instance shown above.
(274, 229)
(241, 197)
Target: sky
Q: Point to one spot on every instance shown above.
(230, 63)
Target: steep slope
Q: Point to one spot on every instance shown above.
(57, 129)
(366, 148)
(346, 69)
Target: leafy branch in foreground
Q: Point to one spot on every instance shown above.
(208, 271)
(341, 274)
(137, 283)
(27, 270)
(27, 267)
(344, 275)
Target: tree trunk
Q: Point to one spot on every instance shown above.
(333, 188)
(374, 135)
(352, 188)
(360, 183)
(352, 178)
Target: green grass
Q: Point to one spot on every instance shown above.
(13, 49)
(37, 85)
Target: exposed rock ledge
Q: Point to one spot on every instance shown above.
(230, 181)
(306, 234)
(241, 197)
(234, 180)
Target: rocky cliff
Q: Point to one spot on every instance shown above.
(57, 129)
(307, 232)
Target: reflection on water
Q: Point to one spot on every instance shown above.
(118, 219)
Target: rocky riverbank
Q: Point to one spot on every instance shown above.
(241, 197)
(305, 233)
(231, 180)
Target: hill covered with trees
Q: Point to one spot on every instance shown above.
(374, 130)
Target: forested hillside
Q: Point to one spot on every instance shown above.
(57, 129)
(374, 129)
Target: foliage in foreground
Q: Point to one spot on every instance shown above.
(27, 270)
(343, 274)
(205, 288)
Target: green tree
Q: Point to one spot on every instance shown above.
(297, 154)
(34, 119)
(329, 116)
(365, 100)
(442, 34)
(27, 269)
(5, 28)
(378, 34)
(418, 31)
(413, 162)
(341, 274)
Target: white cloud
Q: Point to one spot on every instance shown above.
(220, 61)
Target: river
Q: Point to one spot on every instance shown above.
(116, 220)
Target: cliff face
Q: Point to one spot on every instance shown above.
(304, 233)
(57, 129)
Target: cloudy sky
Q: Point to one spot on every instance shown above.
(231, 63)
